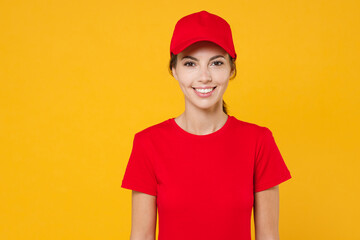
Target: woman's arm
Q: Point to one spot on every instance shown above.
(143, 216)
(266, 214)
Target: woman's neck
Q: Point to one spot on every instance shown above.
(202, 122)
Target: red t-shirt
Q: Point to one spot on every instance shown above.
(204, 184)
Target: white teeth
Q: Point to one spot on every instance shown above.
(204, 90)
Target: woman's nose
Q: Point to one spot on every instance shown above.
(205, 75)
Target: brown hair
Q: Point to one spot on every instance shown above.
(173, 62)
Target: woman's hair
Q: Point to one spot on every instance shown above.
(173, 61)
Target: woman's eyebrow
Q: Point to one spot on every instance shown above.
(195, 59)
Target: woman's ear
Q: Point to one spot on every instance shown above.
(232, 72)
(173, 70)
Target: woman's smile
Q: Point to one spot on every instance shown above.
(204, 92)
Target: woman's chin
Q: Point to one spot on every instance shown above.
(205, 105)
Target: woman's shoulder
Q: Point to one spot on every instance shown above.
(156, 128)
(250, 127)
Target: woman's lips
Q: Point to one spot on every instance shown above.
(204, 91)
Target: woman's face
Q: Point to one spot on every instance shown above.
(203, 71)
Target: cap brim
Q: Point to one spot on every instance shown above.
(182, 46)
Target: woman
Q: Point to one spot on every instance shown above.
(204, 170)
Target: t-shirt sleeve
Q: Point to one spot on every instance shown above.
(270, 168)
(139, 174)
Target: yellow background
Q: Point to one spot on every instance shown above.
(79, 78)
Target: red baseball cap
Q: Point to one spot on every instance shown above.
(202, 26)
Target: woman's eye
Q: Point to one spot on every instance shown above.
(218, 63)
(189, 64)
